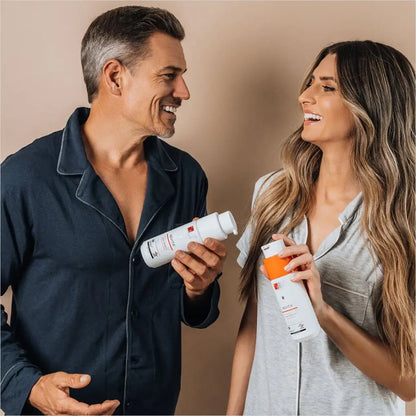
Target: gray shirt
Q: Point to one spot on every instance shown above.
(314, 377)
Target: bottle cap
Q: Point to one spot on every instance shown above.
(275, 247)
(227, 222)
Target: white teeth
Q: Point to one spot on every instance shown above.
(169, 108)
(310, 116)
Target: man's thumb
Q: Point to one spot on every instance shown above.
(78, 381)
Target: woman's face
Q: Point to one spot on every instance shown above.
(327, 119)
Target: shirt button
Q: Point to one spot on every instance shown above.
(135, 259)
(135, 359)
(134, 313)
(128, 404)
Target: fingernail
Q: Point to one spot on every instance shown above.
(174, 262)
(280, 253)
(191, 245)
(288, 267)
(208, 241)
(83, 379)
(180, 253)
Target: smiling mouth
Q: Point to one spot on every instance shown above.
(312, 117)
(169, 109)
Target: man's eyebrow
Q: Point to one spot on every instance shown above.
(173, 68)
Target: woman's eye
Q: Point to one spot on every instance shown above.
(328, 88)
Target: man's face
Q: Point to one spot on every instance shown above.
(155, 88)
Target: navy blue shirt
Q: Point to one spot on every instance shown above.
(84, 301)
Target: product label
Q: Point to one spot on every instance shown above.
(287, 294)
(170, 242)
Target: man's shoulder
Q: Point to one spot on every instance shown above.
(32, 161)
(182, 159)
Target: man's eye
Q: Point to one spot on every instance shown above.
(169, 76)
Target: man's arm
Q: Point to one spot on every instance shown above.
(21, 380)
(18, 374)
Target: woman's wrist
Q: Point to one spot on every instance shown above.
(323, 315)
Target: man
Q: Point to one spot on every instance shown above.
(93, 329)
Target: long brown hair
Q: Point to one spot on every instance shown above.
(377, 82)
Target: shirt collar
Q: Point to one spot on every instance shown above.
(350, 210)
(72, 159)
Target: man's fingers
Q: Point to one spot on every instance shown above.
(199, 267)
(216, 246)
(75, 381)
(70, 406)
(106, 408)
(183, 271)
(210, 258)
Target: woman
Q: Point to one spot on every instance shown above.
(344, 205)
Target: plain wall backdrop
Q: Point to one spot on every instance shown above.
(246, 60)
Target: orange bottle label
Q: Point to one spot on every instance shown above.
(275, 266)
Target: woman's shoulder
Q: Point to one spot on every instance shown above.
(263, 182)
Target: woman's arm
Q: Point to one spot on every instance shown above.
(243, 358)
(368, 354)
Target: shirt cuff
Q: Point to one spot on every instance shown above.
(211, 315)
(16, 387)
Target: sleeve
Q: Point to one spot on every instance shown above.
(201, 316)
(18, 374)
(243, 244)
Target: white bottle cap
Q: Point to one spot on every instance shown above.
(273, 248)
(227, 223)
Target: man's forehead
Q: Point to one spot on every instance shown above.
(167, 52)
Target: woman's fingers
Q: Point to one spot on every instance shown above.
(285, 238)
(302, 261)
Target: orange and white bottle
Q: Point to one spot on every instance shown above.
(294, 301)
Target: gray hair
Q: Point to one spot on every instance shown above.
(123, 34)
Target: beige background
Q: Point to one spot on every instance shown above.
(246, 61)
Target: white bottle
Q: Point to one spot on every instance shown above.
(160, 250)
(292, 297)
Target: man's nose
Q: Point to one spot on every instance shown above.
(181, 90)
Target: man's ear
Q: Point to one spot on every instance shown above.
(112, 74)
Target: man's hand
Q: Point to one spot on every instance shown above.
(50, 395)
(201, 266)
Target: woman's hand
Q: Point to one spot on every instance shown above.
(306, 270)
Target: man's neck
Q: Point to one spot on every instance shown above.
(108, 140)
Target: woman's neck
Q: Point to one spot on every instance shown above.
(337, 180)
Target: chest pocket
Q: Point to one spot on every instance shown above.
(342, 290)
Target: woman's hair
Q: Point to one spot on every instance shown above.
(377, 83)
